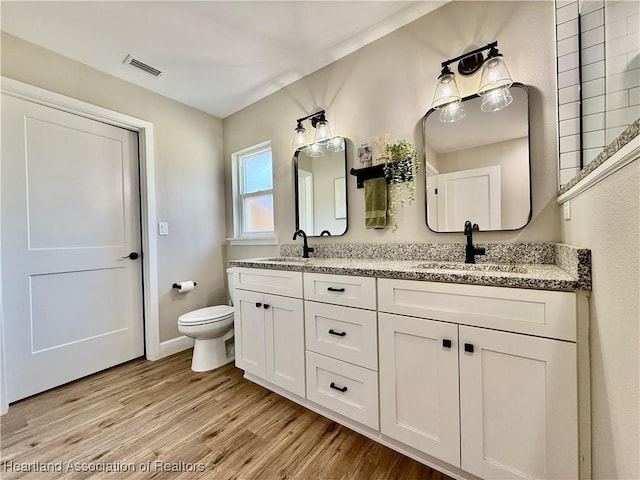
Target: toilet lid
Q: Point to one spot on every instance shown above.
(208, 314)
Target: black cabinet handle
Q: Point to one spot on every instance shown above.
(468, 347)
(340, 389)
(132, 256)
(258, 304)
(265, 306)
(446, 343)
(339, 334)
(331, 289)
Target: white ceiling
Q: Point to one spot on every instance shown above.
(215, 56)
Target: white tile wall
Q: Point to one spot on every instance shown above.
(571, 61)
(593, 105)
(593, 122)
(567, 28)
(593, 88)
(592, 54)
(570, 160)
(605, 42)
(569, 94)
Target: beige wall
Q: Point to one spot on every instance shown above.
(388, 85)
(188, 167)
(606, 219)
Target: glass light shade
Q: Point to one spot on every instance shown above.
(299, 138)
(314, 150)
(494, 75)
(446, 91)
(336, 144)
(496, 99)
(452, 113)
(322, 132)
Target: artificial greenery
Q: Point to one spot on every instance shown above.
(401, 171)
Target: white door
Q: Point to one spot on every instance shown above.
(305, 200)
(70, 218)
(470, 195)
(419, 384)
(518, 406)
(284, 336)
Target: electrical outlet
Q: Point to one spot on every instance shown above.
(566, 210)
(163, 228)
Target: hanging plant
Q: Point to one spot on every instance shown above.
(401, 172)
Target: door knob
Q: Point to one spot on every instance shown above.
(132, 255)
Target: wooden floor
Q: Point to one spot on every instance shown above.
(159, 416)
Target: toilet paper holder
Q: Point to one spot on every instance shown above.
(176, 285)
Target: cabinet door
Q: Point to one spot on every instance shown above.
(419, 384)
(249, 329)
(518, 406)
(284, 329)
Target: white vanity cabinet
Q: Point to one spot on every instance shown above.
(475, 381)
(342, 348)
(516, 415)
(269, 328)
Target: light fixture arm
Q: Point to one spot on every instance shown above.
(470, 62)
(488, 46)
(315, 118)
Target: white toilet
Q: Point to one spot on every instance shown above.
(212, 328)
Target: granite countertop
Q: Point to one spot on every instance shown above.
(570, 271)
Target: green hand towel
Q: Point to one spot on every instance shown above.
(375, 203)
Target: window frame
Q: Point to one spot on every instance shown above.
(237, 164)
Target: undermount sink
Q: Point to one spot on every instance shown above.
(473, 267)
(285, 259)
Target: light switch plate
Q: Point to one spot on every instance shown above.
(566, 210)
(163, 228)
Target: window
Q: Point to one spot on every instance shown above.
(253, 194)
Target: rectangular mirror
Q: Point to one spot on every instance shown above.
(321, 192)
(478, 168)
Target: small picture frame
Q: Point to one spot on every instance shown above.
(364, 156)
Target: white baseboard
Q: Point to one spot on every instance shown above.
(175, 345)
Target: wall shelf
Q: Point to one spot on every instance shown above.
(377, 171)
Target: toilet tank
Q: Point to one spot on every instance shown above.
(230, 284)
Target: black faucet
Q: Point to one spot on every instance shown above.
(306, 250)
(470, 251)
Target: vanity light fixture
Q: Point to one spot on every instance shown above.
(321, 140)
(495, 81)
(299, 137)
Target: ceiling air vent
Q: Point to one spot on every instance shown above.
(134, 62)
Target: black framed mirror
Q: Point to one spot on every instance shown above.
(321, 192)
(478, 168)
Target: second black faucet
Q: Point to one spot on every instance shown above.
(470, 250)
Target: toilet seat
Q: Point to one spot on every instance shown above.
(206, 315)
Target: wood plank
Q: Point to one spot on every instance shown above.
(162, 411)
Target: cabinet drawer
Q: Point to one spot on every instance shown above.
(535, 312)
(345, 333)
(353, 392)
(277, 282)
(341, 290)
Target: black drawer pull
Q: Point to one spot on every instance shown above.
(468, 347)
(258, 304)
(331, 289)
(446, 343)
(340, 389)
(339, 334)
(265, 306)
